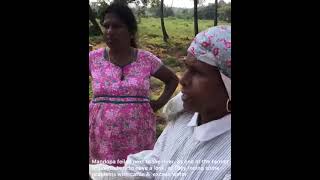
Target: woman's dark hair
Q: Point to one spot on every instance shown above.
(126, 15)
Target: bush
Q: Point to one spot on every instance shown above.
(93, 31)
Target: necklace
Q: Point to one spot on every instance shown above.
(111, 60)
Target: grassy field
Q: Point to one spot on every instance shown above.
(181, 33)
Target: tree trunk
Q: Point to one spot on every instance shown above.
(195, 14)
(216, 13)
(164, 32)
(92, 18)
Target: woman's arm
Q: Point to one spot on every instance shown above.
(171, 82)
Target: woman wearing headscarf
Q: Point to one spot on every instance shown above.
(196, 144)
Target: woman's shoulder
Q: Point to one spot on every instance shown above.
(148, 56)
(145, 53)
(96, 53)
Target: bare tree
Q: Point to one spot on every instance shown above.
(215, 13)
(195, 14)
(195, 18)
(164, 32)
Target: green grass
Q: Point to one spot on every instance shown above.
(180, 31)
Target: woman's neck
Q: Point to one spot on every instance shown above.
(121, 57)
(208, 116)
(123, 51)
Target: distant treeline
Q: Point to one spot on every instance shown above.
(204, 12)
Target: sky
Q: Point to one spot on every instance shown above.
(182, 3)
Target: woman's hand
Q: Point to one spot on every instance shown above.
(155, 105)
(171, 83)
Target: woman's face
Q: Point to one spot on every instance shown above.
(202, 87)
(116, 33)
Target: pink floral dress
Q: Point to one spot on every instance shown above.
(121, 120)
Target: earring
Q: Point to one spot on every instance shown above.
(227, 105)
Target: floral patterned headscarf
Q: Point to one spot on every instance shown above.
(213, 46)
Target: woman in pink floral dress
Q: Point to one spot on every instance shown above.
(122, 119)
